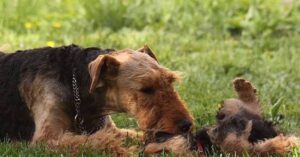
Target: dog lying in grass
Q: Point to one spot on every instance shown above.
(62, 97)
(240, 129)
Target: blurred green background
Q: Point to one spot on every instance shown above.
(210, 41)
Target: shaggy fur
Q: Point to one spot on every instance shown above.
(37, 102)
(240, 128)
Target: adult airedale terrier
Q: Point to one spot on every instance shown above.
(63, 96)
(2, 53)
(240, 129)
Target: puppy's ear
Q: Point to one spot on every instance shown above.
(146, 49)
(103, 67)
(248, 129)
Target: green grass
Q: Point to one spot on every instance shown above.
(210, 42)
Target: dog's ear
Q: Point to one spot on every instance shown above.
(146, 49)
(103, 67)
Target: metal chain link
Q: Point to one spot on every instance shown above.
(77, 102)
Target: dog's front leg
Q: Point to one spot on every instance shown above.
(53, 127)
(106, 138)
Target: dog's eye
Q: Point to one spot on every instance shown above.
(148, 90)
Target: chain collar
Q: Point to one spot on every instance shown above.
(78, 119)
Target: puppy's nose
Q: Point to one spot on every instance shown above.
(184, 125)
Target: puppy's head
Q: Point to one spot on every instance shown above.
(234, 125)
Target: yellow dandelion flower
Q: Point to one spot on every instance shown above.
(220, 106)
(51, 43)
(56, 25)
(28, 25)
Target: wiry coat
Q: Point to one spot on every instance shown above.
(16, 121)
(39, 99)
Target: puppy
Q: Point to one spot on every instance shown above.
(242, 129)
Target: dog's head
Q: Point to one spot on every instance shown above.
(137, 84)
(234, 126)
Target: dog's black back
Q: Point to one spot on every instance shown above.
(16, 122)
(2, 53)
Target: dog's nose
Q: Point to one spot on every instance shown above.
(184, 125)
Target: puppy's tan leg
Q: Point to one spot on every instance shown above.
(279, 145)
(246, 93)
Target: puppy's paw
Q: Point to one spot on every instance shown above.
(281, 145)
(245, 90)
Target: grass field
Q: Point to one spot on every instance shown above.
(210, 41)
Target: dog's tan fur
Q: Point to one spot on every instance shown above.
(126, 74)
(138, 71)
(177, 145)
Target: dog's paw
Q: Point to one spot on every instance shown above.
(129, 133)
(245, 90)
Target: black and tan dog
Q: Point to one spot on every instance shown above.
(240, 129)
(2, 53)
(62, 96)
